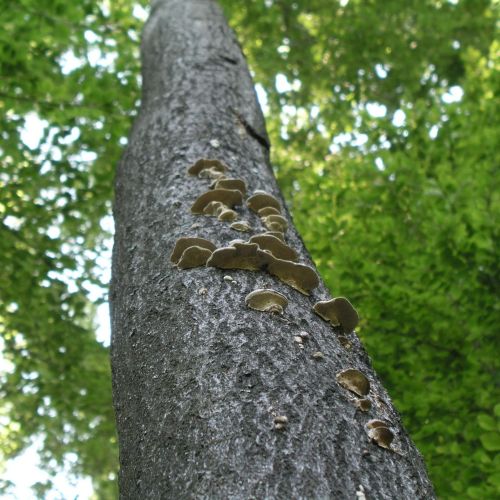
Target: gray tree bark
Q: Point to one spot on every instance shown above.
(197, 376)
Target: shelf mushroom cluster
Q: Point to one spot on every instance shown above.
(269, 252)
(263, 252)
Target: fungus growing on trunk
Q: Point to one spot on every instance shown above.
(276, 234)
(280, 422)
(194, 256)
(381, 435)
(245, 256)
(275, 223)
(241, 225)
(264, 212)
(214, 208)
(373, 424)
(185, 242)
(226, 183)
(363, 404)
(354, 381)
(279, 249)
(261, 199)
(208, 168)
(299, 276)
(250, 257)
(338, 311)
(227, 214)
(228, 197)
(267, 300)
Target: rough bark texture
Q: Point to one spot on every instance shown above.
(197, 377)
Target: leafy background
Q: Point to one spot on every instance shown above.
(384, 123)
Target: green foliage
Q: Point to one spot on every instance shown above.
(392, 182)
(60, 69)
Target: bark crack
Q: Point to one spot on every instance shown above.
(250, 130)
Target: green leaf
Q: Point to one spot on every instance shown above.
(496, 409)
(486, 422)
(491, 441)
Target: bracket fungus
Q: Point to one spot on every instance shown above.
(214, 208)
(237, 240)
(379, 433)
(280, 422)
(238, 255)
(354, 381)
(227, 215)
(373, 424)
(208, 168)
(299, 276)
(344, 341)
(226, 183)
(228, 197)
(264, 212)
(363, 404)
(275, 223)
(267, 300)
(242, 226)
(184, 243)
(261, 199)
(338, 311)
(276, 234)
(194, 256)
(279, 249)
(250, 257)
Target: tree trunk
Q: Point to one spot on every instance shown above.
(198, 377)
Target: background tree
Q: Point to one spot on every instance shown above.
(418, 223)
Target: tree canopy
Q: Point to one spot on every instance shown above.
(383, 120)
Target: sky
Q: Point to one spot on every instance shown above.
(25, 471)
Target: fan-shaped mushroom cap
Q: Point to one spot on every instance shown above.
(194, 257)
(266, 299)
(246, 256)
(275, 223)
(264, 212)
(383, 436)
(216, 168)
(279, 249)
(241, 225)
(363, 404)
(354, 381)
(250, 257)
(237, 240)
(227, 215)
(338, 311)
(185, 242)
(261, 199)
(228, 197)
(280, 422)
(277, 234)
(231, 184)
(372, 424)
(299, 276)
(214, 208)
(212, 173)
